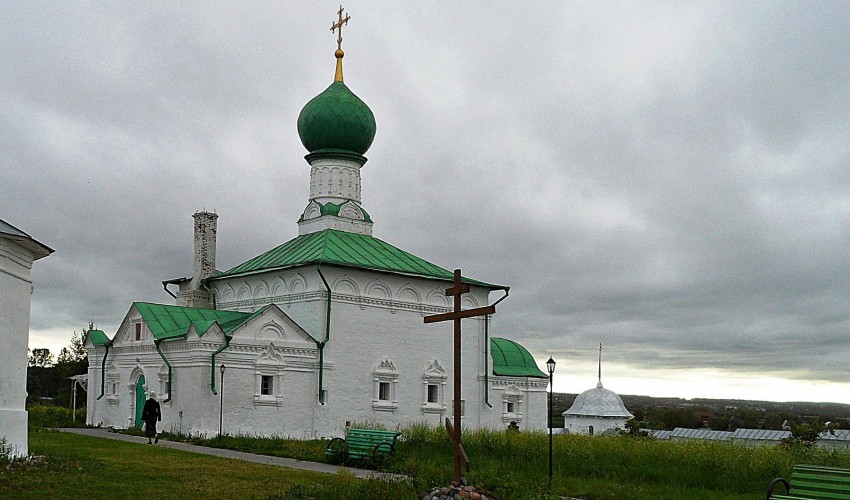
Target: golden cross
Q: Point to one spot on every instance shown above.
(339, 24)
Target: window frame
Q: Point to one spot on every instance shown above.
(385, 373)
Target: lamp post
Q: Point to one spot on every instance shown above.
(550, 365)
(221, 401)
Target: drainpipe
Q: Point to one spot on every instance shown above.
(165, 287)
(103, 371)
(212, 366)
(321, 345)
(161, 355)
(211, 292)
(487, 350)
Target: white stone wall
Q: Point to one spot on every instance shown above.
(377, 335)
(581, 425)
(15, 292)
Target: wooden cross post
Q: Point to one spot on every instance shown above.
(456, 315)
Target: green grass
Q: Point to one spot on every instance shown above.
(511, 465)
(80, 467)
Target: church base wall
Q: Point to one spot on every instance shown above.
(14, 431)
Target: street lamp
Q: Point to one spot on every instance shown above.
(550, 365)
(221, 401)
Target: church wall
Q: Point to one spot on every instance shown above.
(377, 335)
(581, 425)
(15, 293)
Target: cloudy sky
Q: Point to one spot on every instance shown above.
(669, 179)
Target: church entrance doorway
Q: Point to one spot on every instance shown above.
(140, 400)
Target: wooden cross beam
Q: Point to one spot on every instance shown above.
(456, 315)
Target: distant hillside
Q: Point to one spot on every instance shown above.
(769, 412)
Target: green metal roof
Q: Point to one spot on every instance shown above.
(98, 337)
(513, 360)
(344, 249)
(169, 322)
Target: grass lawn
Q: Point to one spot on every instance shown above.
(80, 467)
(513, 466)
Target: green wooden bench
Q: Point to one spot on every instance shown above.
(813, 482)
(362, 444)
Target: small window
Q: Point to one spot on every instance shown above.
(138, 331)
(433, 393)
(267, 385)
(510, 407)
(385, 395)
(384, 391)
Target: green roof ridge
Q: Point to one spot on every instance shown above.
(510, 359)
(344, 249)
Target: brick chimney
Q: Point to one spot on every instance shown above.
(193, 293)
(205, 230)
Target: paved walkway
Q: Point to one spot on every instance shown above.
(290, 463)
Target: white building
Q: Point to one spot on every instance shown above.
(324, 330)
(596, 410)
(18, 251)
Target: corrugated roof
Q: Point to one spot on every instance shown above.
(513, 360)
(709, 434)
(835, 435)
(760, 434)
(168, 322)
(658, 434)
(344, 249)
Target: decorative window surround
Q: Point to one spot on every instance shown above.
(164, 387)
(269, 364)
(434, 385)
(386, 381)
(512, 405)
(112, 384)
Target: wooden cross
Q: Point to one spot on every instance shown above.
(339, 24)
(456, 315)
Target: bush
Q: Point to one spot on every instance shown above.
(41, 417)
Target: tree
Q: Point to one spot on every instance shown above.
(42, 377)
(41, 358)
(73, 360)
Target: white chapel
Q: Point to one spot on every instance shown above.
(322, 331)
(596, 411)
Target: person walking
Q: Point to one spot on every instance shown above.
(151, 414)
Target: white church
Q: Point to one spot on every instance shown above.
(322, 331)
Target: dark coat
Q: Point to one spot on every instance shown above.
(151, 412)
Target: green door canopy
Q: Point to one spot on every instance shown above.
(513, 360)
(171, 322)
(140, 400)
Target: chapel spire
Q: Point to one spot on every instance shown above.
(339, 53)
(599, 384)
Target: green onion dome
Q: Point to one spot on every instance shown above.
(336, 119)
